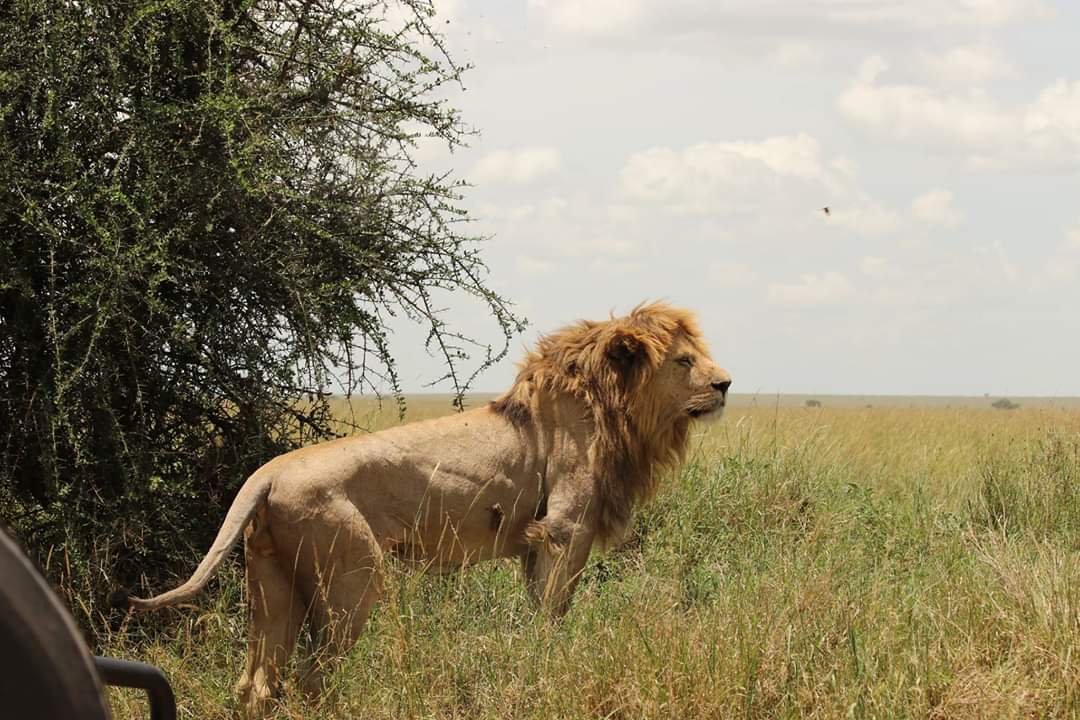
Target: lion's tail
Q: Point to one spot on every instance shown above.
(251, 496)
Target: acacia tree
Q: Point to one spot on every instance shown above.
(208, 210)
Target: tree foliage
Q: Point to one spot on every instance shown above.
(208, 211)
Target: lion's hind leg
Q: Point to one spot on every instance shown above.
(349, 581)
(276, 614)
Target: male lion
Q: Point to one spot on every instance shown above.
(555, 464)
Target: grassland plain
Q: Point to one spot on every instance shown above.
(833, 562)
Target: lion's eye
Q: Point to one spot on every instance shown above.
(686, 360)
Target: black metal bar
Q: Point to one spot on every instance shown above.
(131, 674)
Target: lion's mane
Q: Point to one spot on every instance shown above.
(609, 366)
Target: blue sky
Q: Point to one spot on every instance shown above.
(632, 150)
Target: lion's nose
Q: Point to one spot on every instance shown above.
(722, 386)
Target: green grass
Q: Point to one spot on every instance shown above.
(818, 563)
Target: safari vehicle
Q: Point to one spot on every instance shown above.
(46, 670)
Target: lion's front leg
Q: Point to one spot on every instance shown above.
(558, 551)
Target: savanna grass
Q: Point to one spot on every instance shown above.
(804, 563)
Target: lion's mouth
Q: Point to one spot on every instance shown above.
(703, 407)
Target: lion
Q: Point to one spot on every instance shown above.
(556, 464)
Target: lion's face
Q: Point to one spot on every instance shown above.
(691, 383)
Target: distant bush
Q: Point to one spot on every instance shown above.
(1004, 404)
(811, 403)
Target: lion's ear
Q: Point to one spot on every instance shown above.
(626, 350)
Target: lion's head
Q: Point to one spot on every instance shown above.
(644, 377)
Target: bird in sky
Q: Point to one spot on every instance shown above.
(826, 210)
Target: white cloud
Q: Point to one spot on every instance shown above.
(944, 278)
(921, 114)
(554, 207)
(608, 266)
(1061, 268)
(1064, 263)
(732, 275)
(864, 217)
(587, 244)
(1072, 239)
(1008, 269)
(604, 246)
(845, 167)
(624, 18)
(796, 55)
(1042, 134)
(1052, 122)
(592, 17)
(967, 65)
(707, 177)
(623, 213)
(812, 289)
(934, 13)
(448, 9)
(504, 213)
(529, 265)
(796, 155)
(781, 180)
(516, 166)
(936, 208)
(870, 69)
(874, 266)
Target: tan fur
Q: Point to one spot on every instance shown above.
(558, 462)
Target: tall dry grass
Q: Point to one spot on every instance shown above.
(810, 563)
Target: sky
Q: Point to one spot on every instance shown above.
(682, 150)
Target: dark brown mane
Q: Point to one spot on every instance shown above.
(608, 365)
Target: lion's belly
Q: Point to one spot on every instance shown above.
(449, 491)
(461, 521)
